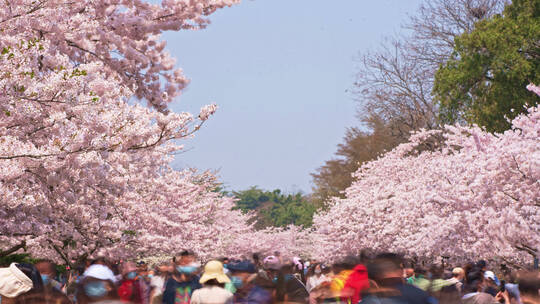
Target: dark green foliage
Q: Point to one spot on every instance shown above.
(5, 261)
(485, 79)
(272, 208)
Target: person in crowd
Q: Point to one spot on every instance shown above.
(14, 282)
(101, 269)
(381, 280)
(184, 280)
(419, 279)
(98, 286)
(37, 294)
(270, 268)
(491, 285)
(458, 275)
(510, 284)
(467, 267)
(256, 258)
(47, 270)
(131, 287)
(49, 290)
(473, 290)
(441, 288)
(186, 257)
(74, 276)
(31, 272)
(144, 280)
(408, 273)
(142, 268)
(289, 288)
(315, 277)
(355, 284)
(143, 272)
(225, 261)
(319, 279)
(157, 283)
(298, 270)
(342, 270)
(213, 281)
(337, 281)
(386, 274)
(529, 287)
(251, 286)
(482, 264)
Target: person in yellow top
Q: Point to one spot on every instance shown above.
(342, 271)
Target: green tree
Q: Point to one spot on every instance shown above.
(250, 199)
(484, 81)
(272, 208)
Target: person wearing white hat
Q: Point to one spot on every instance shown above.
(101, 272)
(22, 283)
(213, 291)
(98, 286)
(13, 281)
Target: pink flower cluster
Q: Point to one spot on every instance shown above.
(458, 192)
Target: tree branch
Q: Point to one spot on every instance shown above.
(11, 250)
(62, 255)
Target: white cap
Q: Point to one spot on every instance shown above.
(489, 275)
(13, 281)
(101, 272)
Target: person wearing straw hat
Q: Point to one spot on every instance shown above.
(213, 290)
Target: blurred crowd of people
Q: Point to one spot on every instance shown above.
(385, 278)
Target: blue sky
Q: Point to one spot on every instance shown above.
(280, 71)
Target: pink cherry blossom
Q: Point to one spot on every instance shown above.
(458, 192)
(84, 171)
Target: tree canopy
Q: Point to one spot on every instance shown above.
(484, 81)
(473, 196)
(275, 209)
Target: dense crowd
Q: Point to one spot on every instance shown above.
(385, 278)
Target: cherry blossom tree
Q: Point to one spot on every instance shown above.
(291, 241)
(85, 170)
(123, 35)
(459, 192)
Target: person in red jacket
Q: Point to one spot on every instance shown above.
(356, 282)
(130, 287)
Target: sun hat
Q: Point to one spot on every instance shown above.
(271, 262)
(13, 281)
(213, 270)
(101, 272)
(243, 266)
